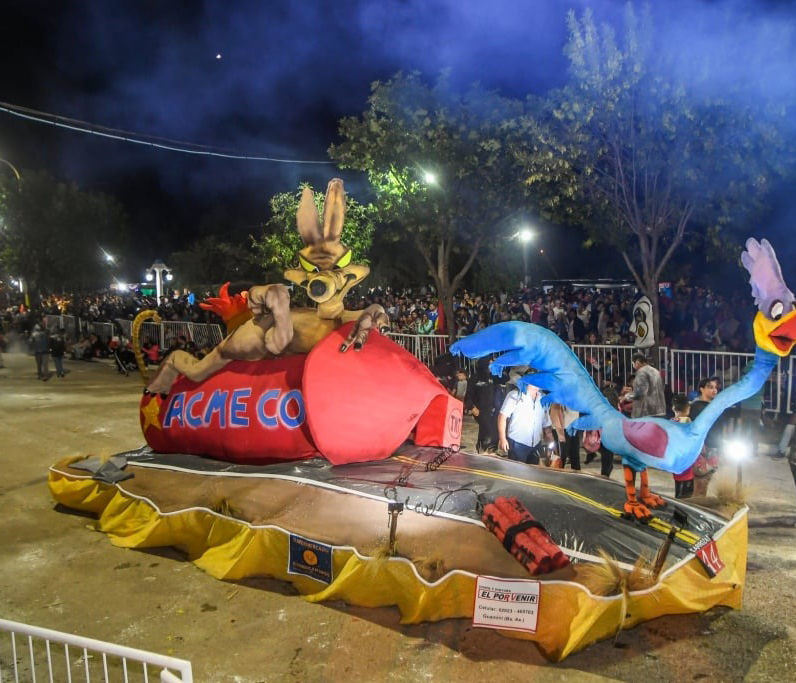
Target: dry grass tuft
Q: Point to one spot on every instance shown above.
(223, 506)
(609, 578)
(430, 568)
(729, 498)
(382, 552)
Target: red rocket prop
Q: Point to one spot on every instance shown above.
(524, 537)
(347, 407)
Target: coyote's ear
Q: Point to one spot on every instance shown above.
(307, 219)
(334, 211)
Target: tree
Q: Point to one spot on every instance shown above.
(53, 234)
(655, 158)
(277, 247)
(444, 168)
(210, 261)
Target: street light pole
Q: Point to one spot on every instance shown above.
(159, 268)
(525, 236)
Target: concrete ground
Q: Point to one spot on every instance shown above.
(57, 572)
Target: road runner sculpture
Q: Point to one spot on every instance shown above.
(646, 441)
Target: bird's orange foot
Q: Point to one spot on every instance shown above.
(637, 511)
(652, 500)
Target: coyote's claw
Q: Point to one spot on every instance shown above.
(372, 316)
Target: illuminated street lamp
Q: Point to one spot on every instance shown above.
(738, 450)
(157, 271)
(525, 236)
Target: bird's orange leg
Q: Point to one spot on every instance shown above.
(633, 508)
(650, 499)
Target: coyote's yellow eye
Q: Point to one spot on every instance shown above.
(345, 259)
(306, 265)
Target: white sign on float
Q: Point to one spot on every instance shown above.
(509, 604)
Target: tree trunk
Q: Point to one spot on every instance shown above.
(440, 272)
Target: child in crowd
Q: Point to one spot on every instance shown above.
(683, 482)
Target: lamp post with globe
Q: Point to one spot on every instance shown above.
(525, 236)
(157, 271)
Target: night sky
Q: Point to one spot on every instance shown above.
(287, 72)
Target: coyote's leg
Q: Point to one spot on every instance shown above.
(270, 307)
(267, 334)
(183, 363)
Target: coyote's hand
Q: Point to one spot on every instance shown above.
(372, 316)
(265, 299)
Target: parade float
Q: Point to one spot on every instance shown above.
(313, 449)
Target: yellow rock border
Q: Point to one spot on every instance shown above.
(570, 616)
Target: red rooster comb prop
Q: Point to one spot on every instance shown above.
(234, 311)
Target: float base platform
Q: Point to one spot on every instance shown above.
(237, 521)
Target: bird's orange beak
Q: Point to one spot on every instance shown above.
(776, 336)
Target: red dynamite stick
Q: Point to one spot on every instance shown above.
(536, 542)
(530, 555)
(496, 526)
(516, 513)
(540, 537)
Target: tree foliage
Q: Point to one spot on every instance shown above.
(53, 234)
(654, 158)
(211, 261)
(276, 249)
(444, 168)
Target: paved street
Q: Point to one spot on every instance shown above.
(56, 572)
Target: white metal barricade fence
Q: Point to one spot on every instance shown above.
(68, 323)
(126, 327)
(30, 651)
(103, 330)
(681, 368)
(611, 361)
(688, 367)
(152, 333)
(205, 335)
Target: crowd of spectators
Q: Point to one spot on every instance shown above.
(18, 323)
(110, 306)
(691, 317)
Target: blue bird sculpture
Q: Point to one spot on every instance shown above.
(647, 441)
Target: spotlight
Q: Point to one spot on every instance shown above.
(737, 450)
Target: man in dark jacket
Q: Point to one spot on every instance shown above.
(57, 350)
(480, 400)
(40, 342)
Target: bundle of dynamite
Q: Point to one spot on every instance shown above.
(524, 537)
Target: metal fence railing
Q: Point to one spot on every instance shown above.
(425, 347)
(612, 362)
(29, 651)
(681, 368)
(204, 335)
